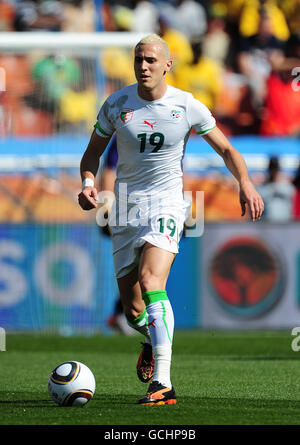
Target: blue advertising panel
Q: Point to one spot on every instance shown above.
(57, 277)
(60, 278)
(184, 284)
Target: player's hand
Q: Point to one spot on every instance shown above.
(249, 196)
(87, 199)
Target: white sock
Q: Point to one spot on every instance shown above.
(140, 324)
(161, 328)
(160, 322)
(162, 359)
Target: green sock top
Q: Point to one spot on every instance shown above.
(152, 296)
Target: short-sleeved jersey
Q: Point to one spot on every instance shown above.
(152, 136)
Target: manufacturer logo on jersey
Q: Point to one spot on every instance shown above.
(176, 115)
(126, 115)
(150, 124)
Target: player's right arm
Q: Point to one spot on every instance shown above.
(89, 166)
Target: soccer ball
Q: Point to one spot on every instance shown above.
(71, 384)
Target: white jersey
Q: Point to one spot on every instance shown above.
(151, 140)
(152, 136)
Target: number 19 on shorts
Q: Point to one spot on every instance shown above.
(167, 226)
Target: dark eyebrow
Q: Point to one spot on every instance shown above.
(148, 59)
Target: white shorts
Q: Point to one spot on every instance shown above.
(160, 224)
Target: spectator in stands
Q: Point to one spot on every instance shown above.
(115, 60)
(7, 15)
(78, 16)
(291, 11)
(180, 46)
(216, 40)
(53, 75)
(294, 19)
(105, 12)
(296, 199)
(77, 105)
(116, 63)
(256, 56)
(202, 77)
(277, 193)
(191, 19)
(250, 18)
(46, 15)
(281, 113)
(145, 16)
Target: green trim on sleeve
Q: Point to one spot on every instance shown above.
(206, 131)
(97, 125)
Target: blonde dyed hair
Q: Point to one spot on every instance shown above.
(155, 39)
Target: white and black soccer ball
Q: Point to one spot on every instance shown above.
(71, 384)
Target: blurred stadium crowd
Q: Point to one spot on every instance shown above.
(236, 56)
(239, 57)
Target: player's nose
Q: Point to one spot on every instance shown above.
(144, 65)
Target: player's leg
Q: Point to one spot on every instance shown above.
(132, 301)
(155, 265)
(137, 318)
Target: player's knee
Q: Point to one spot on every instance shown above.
(149, 281)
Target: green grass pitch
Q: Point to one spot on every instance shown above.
(249, 378)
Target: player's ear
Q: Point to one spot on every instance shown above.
(169, 65)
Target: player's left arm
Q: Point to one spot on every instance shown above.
(236, 164)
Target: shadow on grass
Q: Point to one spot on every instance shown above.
(199, 402)
(218, 403)
(31, 402)
(23, 401)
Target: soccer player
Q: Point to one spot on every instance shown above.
(152, 121)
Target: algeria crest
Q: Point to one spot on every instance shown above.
(126, 115)
(176, 115)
